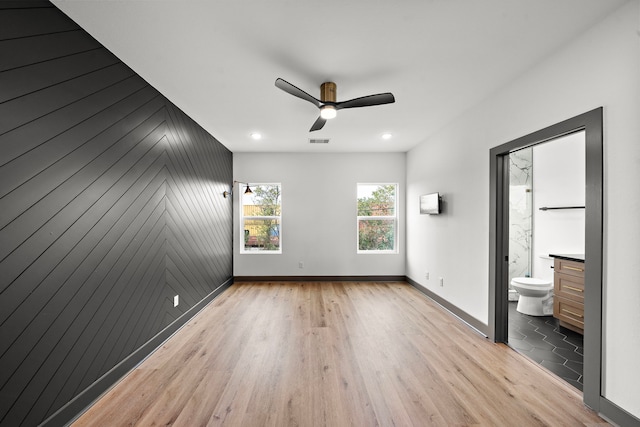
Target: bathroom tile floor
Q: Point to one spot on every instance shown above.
(558, 349)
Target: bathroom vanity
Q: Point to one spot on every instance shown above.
(568, 290)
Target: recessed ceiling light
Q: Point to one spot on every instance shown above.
(387, 135)
(256, 135)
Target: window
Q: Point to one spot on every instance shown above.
(261, 219)
(377, 218)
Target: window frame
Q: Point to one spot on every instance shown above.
(394, 217)
(243, 218)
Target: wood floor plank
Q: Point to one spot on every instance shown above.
(335, 354)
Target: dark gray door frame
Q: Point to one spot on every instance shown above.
(591, 123)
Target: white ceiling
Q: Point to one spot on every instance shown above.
(218, 60)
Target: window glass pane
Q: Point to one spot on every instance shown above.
(263, 201)
(377, 221)
(261, 219)
(261, 234)
(376, 234)
(376, 200)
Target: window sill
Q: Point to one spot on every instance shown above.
(261, 252)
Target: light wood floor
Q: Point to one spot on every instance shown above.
(335, 354)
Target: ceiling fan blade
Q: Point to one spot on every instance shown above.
(318, 124)
(367, 101)
(295, 91)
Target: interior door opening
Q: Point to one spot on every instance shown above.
(591, 123)
(546, 220)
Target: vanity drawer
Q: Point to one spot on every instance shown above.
(569, 312)
(572, 268)
(568, 286)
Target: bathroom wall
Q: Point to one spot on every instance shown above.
(558, 180)
(520, 212)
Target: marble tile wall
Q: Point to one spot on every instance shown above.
(520, 212)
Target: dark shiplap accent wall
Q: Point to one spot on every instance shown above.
(110, 204)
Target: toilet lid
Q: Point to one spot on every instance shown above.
(532, 281)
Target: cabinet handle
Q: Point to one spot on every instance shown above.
(573, 288)
(572, 268)
(571, 312)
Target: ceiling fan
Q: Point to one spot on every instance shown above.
(327, 103)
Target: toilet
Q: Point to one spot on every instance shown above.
(536, 296)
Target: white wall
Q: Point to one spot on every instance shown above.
(558, 180)
(600, 68)
(319, 213)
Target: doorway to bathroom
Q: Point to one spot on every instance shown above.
(546, 216)
(590, 124)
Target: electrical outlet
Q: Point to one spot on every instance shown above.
(300, 264)
(176, 300)
(441, 281)
(426, 275)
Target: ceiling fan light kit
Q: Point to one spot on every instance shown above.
(328, 112)
(327, 103)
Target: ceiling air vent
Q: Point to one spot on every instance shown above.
(318, 140)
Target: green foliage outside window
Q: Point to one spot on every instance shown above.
(377, 234)
(262, 210)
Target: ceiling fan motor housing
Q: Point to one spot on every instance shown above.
(328, 92)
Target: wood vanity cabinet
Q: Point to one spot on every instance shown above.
(568, 289)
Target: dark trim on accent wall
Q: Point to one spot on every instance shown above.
(109, 208)
(465, 317)
(76, 407)
(320, 279)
